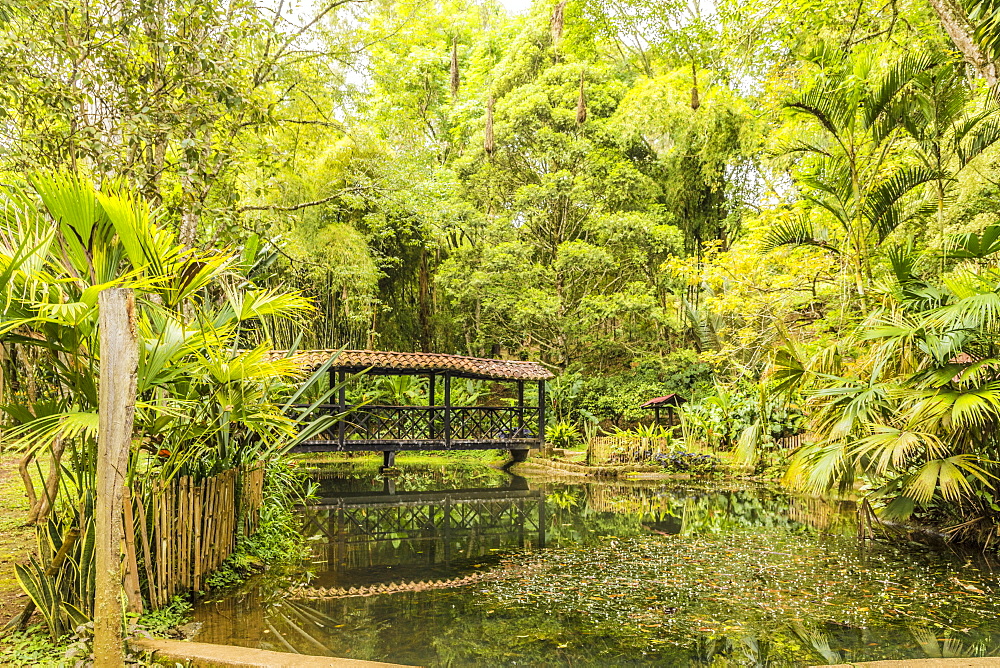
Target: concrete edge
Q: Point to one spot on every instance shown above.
(200, 654)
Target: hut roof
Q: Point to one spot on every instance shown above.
(668, 400)
(380, 361)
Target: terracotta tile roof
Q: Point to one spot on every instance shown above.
(358, 360)
(669, 400)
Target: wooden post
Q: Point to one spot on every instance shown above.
(430, 402)
(447, 410)
(119, 362)
(342, 404)
(520, 409)
(541, 415)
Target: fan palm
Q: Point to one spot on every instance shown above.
(916, 412)
(210, 394)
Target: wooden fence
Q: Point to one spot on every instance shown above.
(624, 449)
(186, 529)
(793, 442)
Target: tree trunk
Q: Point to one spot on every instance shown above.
(956, 23)
(424, 300)
(40, 510)
(119, 360)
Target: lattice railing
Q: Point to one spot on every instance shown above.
(421, 423)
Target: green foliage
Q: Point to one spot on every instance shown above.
(913, 412)
(278, 541)
(158, 622)
(721, 418)
(210, 397)
(32, 648)
(562, 435)
(616, 398)
(681, 461)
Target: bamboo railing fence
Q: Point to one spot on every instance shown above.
(624, 449)
(186, 529)
(794, 442)
(630, 500)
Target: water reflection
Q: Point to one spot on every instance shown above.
(366, 537)
(635, 573)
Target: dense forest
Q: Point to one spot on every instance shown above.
(785, 212)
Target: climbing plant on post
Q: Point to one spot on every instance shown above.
(116, 411)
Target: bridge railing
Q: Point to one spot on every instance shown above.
(430, 423)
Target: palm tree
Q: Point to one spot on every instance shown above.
(949, 129)
(854, 174)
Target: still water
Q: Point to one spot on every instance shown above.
(619, 573)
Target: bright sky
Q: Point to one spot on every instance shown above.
(516, 6)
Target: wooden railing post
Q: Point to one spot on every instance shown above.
(541, 414)
(342, 406)
(520, 409)
(447, 410)
(430, 402)
(116, 413)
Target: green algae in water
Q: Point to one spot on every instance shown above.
(635, 573)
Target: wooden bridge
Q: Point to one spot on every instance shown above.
(390, 429)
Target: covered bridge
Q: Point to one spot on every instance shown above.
(390, 429)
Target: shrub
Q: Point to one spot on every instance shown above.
(688, 462)
(562, 435)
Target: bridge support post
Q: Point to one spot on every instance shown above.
(430, 403)
(541, 418)
(447, 410)
(520, 409)
(388, 459)
(342, 404)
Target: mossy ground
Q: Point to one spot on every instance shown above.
(17, 541)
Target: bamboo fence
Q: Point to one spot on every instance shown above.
(793, 442)
(186, 529)
(624, 449)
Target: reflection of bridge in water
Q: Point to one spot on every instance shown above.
(368, 537)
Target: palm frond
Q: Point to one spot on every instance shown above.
(795, 232)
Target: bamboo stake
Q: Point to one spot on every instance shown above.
(158, 539)
(116, 409)
(146, 552)
(198, 519)
(168, 533)
(131, 563)
(211, 524)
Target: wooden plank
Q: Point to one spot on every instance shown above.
(116, 408)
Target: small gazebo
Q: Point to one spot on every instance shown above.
(390, 429)
(671, 401)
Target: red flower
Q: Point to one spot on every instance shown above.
(163, 452)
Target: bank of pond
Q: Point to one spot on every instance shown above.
(457, 564)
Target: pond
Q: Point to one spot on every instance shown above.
(619, 573)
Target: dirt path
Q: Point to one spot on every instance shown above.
(17, 542)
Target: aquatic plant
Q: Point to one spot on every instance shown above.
(688, 462)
